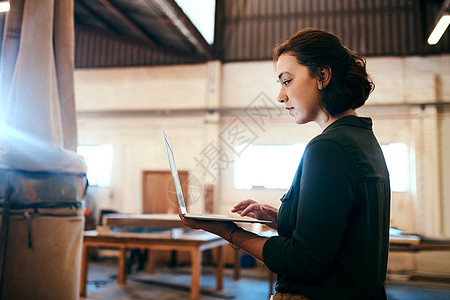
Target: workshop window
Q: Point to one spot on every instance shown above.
(397, 160)
(99, 163)
(266, 166)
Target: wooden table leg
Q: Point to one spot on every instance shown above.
(219, 267)
(196, 263)
(84, 271)
(150, 261)
(237, 265)
(121, 274)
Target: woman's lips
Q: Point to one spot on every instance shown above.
(289, 109)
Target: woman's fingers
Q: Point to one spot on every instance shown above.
(270, 211)
(242, 205)
(252, 208)
(193, 224)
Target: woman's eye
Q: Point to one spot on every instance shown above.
(286, 82)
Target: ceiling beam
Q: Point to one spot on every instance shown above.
(141, 34)
(93, 13)
(185, 27)
(130, 24)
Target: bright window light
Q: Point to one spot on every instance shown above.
(4, 6)
(439, 30)
(274, 166)
(99, 163)
(396, 156)
(268, 166)
(202, 14)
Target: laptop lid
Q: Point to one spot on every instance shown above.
(176, 178)
(181, 202)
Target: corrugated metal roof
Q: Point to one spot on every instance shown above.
(114, 33)
(250, 28)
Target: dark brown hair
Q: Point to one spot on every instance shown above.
(349, 86)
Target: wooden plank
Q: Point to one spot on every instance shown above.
(144, 220)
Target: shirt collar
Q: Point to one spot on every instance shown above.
(363, 122)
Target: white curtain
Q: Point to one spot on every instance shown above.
(37, 113)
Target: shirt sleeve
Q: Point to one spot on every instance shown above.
(326, 194)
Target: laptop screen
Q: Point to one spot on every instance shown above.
(176, 179)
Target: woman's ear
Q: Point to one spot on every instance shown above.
(324, 77)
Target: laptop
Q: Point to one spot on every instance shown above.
(181, 202)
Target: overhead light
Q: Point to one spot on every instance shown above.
(4, 6)
(439, 30)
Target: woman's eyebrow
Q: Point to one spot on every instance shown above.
(282, 73)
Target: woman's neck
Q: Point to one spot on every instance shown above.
(327, 120)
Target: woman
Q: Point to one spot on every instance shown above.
(333, 223)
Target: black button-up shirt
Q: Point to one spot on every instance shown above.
(333, 223)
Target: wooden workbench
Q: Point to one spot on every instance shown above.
(143, 220)
(194, 242)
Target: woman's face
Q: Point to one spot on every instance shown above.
(299, 90)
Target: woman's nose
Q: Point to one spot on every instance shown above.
(282, 98)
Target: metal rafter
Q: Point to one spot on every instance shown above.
(142, 35)
(89, 10)
(130, 24)
(185, 26)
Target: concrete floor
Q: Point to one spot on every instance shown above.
(173, 284)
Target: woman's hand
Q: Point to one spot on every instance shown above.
(217, 227)
(248, 241)
(253, 209)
